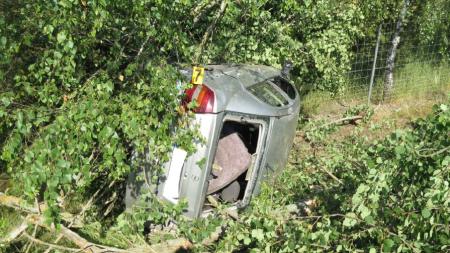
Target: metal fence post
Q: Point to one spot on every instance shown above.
(372, 76)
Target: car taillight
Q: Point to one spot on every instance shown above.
(204, 97)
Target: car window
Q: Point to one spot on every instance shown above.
(267, 93)
(285, 86)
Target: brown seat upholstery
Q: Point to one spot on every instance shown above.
(232, 159)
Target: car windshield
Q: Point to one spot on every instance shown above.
(267, 93)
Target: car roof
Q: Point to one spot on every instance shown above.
(230, 82)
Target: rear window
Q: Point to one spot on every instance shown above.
(285, 86)
(267, 93)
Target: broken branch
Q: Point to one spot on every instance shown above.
(80, 214)
(21, 205)
(228, 211)
(35, 218)
(35, 240)
(16, 203)
(332, 175)
(15, 233)
(342, 120)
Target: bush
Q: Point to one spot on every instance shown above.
(388, 195)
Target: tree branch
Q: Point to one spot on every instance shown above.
(331, 175)
(35, 240)
(210, 29)
(80, 214)
(21, 205)
(342, 120)
(435, 153)
(201, 10)
(86, 246)
(15, 233)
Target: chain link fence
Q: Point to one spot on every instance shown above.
(419, 69)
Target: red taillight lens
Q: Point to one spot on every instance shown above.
(204, 97)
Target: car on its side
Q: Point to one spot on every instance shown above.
(248, 116)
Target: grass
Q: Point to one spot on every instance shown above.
(8, 220)
(417, 85)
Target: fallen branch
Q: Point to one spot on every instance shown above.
(16, 203)
(435, 153)
(28, 247)
(21, 205)
(80, 214)
(331, 175)
(232, 213)
(35, 240)
(35, 218)
(15, 233)
(169, 246)
(85, 244)
(342, 120)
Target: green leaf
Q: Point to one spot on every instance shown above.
(387, 245)
(258, 234)
(61, 37)
(350, 220)
(399, 150)
(2, 41)
(426, 213)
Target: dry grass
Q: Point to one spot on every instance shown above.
(417, 86)
(397, 113)
(403, 108)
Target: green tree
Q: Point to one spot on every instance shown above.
(86, 82)
(433, 25)
(83, 84)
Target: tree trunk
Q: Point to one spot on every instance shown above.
(390, 62)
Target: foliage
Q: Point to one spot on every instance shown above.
(392, 196)
(316, 34)
(87, 87)
(84, 83)
(434, 25)
(81, 97)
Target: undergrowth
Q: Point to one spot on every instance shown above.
(388, 195)
(351, 194)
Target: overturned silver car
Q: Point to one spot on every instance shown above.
(248, 115)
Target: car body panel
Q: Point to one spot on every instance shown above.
(282, 134)
(195, 166)
(230, 83)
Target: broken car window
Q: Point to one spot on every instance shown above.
(285, 86)
(267, 93)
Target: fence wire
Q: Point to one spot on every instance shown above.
(419, 68)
